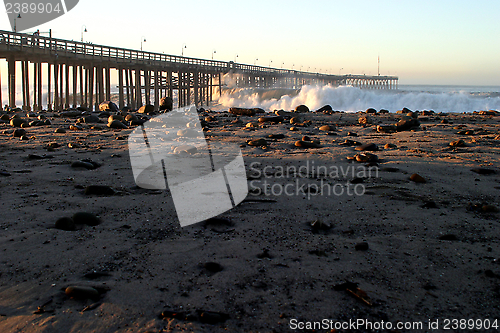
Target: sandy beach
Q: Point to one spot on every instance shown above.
(299, 249)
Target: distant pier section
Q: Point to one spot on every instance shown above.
(58, 74)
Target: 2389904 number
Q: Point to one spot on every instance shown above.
(471, 324)
(40, 8)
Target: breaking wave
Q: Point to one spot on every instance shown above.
(352, 99)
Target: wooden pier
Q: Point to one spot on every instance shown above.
(58, 74)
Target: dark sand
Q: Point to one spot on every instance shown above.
(275, 266)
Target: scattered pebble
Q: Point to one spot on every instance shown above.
(86, 218)
(363, 246)
(320, 225)
(81, 292)
(276, 136)
(74, 145)
(367, 147)
(483, 171)
(366, 157)
(257, 143)
(83, 164)
(212, 267)
(212, 318)
(458, 143)
(429, 205)
(417, 178)
(99, 190)
(271, 119)
(390, 169)
(365, 120)
(116, 124)
(168, 313)
(188, 132)
(17, 122)
(65, 223)
(448, 237)
(386, 128)
(348, 142)
(307, 144)
(242, 111)
(185, 149)
(301, 108)
(327, 128)
(86, 163)
(489, 209)
(19, 132)
(131, 117)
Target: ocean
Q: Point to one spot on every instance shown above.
(439, 98)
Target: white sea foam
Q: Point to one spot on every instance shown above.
(352, 99)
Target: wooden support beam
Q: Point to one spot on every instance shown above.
(220, 85)
(102, 96)
(127, 85)
(137, 89)
(180, 93)
(66, 79)
(147, 86)
(35, 86)
(121, 102)
(196, 77)
(23, 84)
(156, 77)
(86, 101)
(11, 72)
(170, 84)
(49, 86)
(75, 81)
(40, 86)
(90, 84)
(56, 86)
(108, 83)
(83, 93)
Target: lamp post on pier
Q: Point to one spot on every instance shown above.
(183, 47)
(143, 39)
(84, 29)
(15, 23)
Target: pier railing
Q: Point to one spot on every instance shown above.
(11, 41)
(72, 68)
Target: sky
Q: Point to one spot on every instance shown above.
(422, 42)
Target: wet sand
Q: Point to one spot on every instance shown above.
(416, 250)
